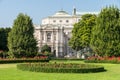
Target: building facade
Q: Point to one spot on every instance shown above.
(55, 31)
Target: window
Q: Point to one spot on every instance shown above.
(68, 39)
(60, 20)
(78, 19)
(54, 21)
(48, 36)
(67, 21)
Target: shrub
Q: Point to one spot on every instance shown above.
(6, 61)
(60, 68)
(67, 59)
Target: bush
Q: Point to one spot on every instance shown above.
(65, 59)
(60, 68)
(6, 61)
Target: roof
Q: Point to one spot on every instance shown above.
(61, 14)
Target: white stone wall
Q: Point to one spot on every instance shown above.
(61, 20)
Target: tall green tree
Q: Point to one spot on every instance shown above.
(74, 42)
(106, 34)
(3, 38)
(81, 33)
(21, 40)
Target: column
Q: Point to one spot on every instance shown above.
(45, 37)
(57, 42)
(61, 43)
(39, 35)
(57, 36)
(40, 38)
(57, 55)
(52, 37)
(52, 41)
(61, 35)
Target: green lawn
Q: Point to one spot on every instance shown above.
(10, 72)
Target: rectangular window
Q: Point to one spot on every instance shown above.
(54, 21)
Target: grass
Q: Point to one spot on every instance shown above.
(10, 72)
(7, 65)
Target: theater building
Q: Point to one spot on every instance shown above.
(55, 31)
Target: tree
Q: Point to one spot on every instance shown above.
(21, 41)
(3, 38)
(74, 41)
(3, 41)
(81, 33)
(106, 34)
(45, 48)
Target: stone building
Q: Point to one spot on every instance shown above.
(55, 31)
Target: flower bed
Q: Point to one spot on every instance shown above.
(60, 67)
(97, 59)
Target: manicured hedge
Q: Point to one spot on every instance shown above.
(6, 61)
(69, 59)
(60, 68)
(102, 61)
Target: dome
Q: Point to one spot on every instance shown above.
(61, 13)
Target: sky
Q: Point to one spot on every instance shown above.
(38, 9)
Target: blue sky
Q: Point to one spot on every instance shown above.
(38, 9)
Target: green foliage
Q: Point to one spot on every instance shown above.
(60, 68)
(21, 41)
(45, 49)
(81, 33)
(6, 61)
(102, 61)
(106, 34)
(3, 38)
(67, 59)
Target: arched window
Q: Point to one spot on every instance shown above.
(48, 36)
(67, 21)
(79, 20)
(54, 21)
(60, 21)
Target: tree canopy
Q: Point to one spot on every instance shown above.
(21, 41)
(105, 39)
(81, 33)
(3, 38)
